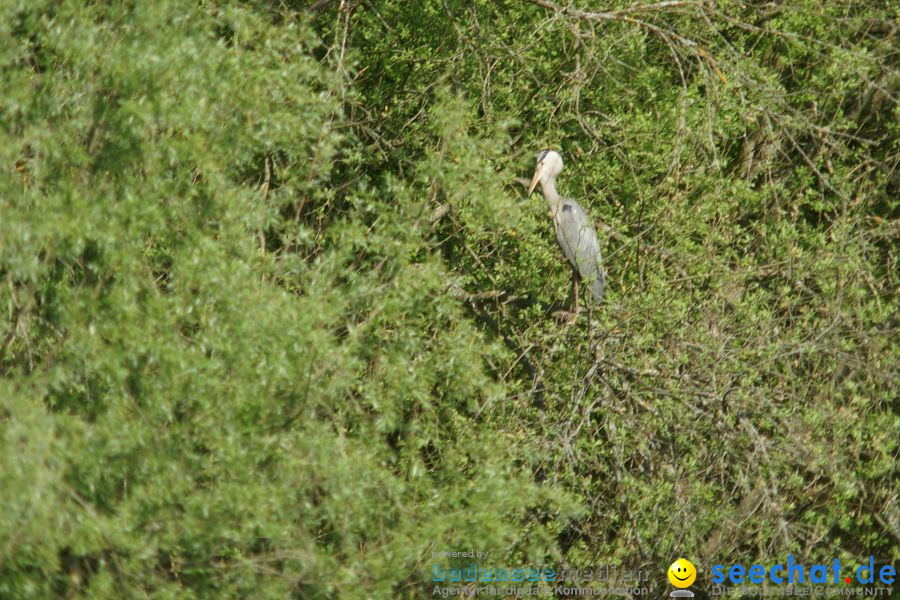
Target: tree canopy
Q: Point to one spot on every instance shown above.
(280, 321)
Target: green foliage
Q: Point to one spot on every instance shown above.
(279, 322)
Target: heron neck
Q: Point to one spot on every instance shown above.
(548, 188)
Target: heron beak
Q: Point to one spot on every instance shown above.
(536, 179)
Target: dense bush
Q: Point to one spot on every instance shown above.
(280, 321)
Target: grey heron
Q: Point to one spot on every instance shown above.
(574, 231)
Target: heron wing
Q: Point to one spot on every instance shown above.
(578, 239)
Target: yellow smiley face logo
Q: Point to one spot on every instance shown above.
(682, 573)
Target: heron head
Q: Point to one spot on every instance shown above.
(549, 165)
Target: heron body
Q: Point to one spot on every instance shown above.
(574, 230)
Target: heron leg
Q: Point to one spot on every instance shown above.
(575, 289)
